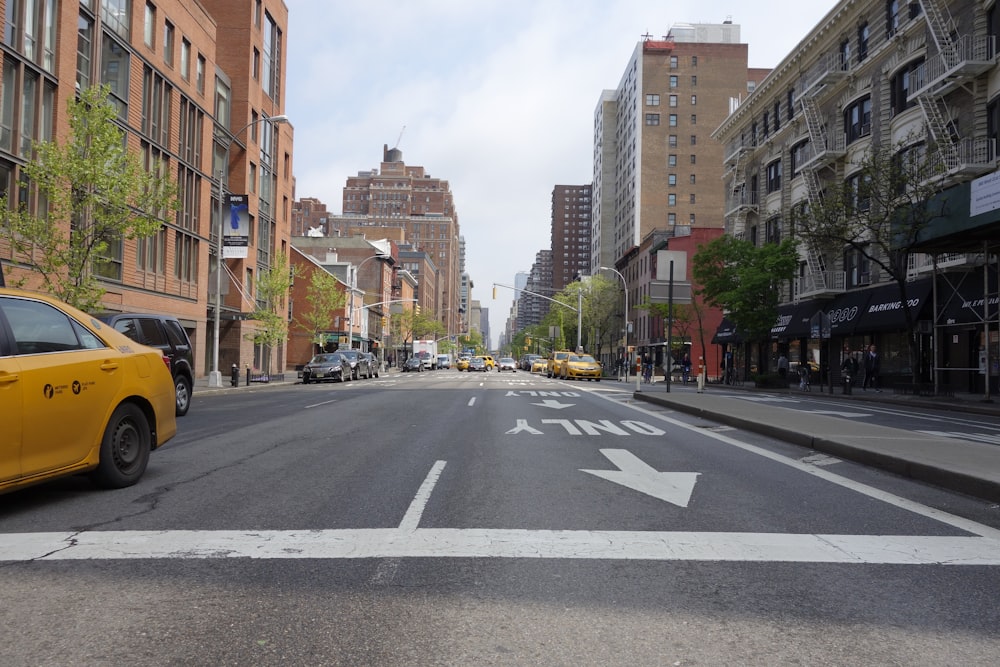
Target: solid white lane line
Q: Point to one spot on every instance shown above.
(412, 518)
(498, 543)
(472, 401)
(316, 405)
(877, 494)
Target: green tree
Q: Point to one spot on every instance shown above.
(878, 213)
(745, 280)
(90, 195)
(325, 298)
(270, 313)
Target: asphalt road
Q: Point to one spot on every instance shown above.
(449, 518)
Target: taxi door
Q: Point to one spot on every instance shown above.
(10, 413)
(68, 380)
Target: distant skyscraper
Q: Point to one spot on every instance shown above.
(571, 230)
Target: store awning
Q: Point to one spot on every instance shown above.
(793, 320)
(846, 310)
(726, 333)
(885, 309)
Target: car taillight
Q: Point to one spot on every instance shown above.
(166, 360)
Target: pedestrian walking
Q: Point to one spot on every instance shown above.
(804, 376)
(782, 365)
(686, 368)
(872, 363)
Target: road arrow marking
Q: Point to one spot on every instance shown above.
(555, 404)
(633, 472)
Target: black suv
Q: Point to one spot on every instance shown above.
(166, 334)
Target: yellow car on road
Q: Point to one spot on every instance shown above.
(489, 361)
(555, 364)
(76, 396)
(581, 366)
(462, 364)
(540, 365)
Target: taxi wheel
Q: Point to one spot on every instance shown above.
(124, 449)
(182, 390)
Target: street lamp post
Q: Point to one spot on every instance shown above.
(354, 287)
(625, 318)
(215, 376)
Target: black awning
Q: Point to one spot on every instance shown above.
(885, 308)
(793, 320)
(726, 333)
(963, 303)
(846, 310)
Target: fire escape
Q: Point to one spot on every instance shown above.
(828, 145)
(958, 61)
(741, 200)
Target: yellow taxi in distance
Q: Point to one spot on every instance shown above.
(463, 363)
(76, 396)
(489, 361)
(582, 366)
(540, 365)
(556, 360)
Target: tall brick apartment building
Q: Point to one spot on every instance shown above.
(193, 83)
(400, 195)
(571, 229)
(656, 164)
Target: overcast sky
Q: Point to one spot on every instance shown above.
(497, 96)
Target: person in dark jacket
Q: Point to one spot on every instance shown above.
(849, 371)
(872, 363)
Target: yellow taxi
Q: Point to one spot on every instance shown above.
(463, 363)
(489, 361)
(76, 396)
(581, 366)
(556, 360)
(540, 365)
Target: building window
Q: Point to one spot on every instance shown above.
(672, 141)
(672, 100)
(693, 180)
(858, 119)
(774, 176)
(149, 26)
(845, 55)
(790, 112)
(694, 139)
(115, 73)
(672, 159)
(116, 15)
(673, 80)
(694, 61)
(694, 158)
(901, 86)
(857, 266)
(185, 59)
(200, 74)
(671, 219)
(766, 122)
(692, 198)
(84, 51)
(652, 119)
(863, 33)
(672, 180)
(673, 62)
(777, 116)
(168, 43)
(673, 120)
(652, 100)
(691, 219)
(255, 65)
(671, 199)
(694, 119)
(799, 154)
(272, 58)
(694, 100)
(859, 191)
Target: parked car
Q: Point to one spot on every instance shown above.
(477, 364)
(506, 364)
(556, 360)
(582, 366)
(463, 363)
(165, 333)
(527, 360)
(360, 368)
(326, 366)
(374, 364)
(412, 364)
(76, 396)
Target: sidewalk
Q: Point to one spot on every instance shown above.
(967, 467)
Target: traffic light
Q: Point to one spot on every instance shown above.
(494, 292)
(527, 340)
